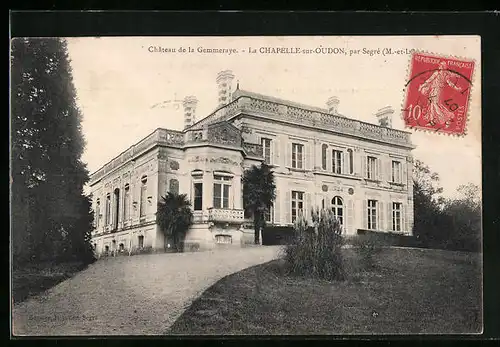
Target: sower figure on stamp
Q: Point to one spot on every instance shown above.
(432, 89)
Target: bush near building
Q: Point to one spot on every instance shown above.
(316, 251)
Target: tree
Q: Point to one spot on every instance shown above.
(428, 225)
(464, 218)
(174, 216)
(259, 192)
(50, 212)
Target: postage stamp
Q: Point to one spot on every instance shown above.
(437, 93)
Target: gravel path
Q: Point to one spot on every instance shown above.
(139, 295)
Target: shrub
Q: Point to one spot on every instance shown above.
(316, 251)
(367, 245)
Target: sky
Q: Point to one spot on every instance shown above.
(119, 79)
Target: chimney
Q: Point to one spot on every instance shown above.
(224, 85)
(189, 104)
(332, 105)
(384, 116)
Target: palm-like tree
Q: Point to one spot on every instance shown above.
(174, 216)
(259, 192)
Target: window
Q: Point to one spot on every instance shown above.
(266, 149)
(121, 247)
(338, 209)
(142, 206)
(117, 208)
(97, 216)
(372, 214)
(323, 204)
(198, 196)
(324, 149)
(297, 155)
(174, 186)
(126, 203)
(140, 241)
(351, 161)
(297, 204)
(396, 216)
(107, 217)
(371, 167)
(337, 161)
(269, 214)
(396, 171)
(222, 185)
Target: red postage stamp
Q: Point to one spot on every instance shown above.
(437, 93)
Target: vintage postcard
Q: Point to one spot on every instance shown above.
(325, 185)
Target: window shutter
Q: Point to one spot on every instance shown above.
(404, 222)
(345, 166)
(288, 207)
(350, 217)
(389, 216)
(275, 155)
(307, 208)
(308, 160)
(277, 202)
(379, 169)
(404, 178)
(288, 159)
(363, 165)
(365, 214)
(381, 214)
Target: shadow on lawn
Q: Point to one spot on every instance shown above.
(409, 291)
(35, 279)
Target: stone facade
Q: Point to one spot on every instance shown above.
(361, 170)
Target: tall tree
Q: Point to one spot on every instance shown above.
(51, 214)
(259, 192)
(174, 216)
(427, 204)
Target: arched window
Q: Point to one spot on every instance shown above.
(116, 213)
(142, 203)
(107, 216)
(140, 241)
(324, 149)
(338, 209)
(121, 247)
(126, 203)
(174, 186)
(97, 215)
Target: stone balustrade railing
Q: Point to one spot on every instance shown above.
(159, 136)
(225, 215)
(304, 116)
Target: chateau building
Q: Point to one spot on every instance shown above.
(362, 171)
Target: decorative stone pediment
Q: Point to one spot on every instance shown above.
(224, 133)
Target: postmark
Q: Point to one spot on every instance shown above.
(437, 93)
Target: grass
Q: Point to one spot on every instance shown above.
(410, 291)
(36, 278)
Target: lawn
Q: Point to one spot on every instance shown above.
(37, 278)
(410, 291)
